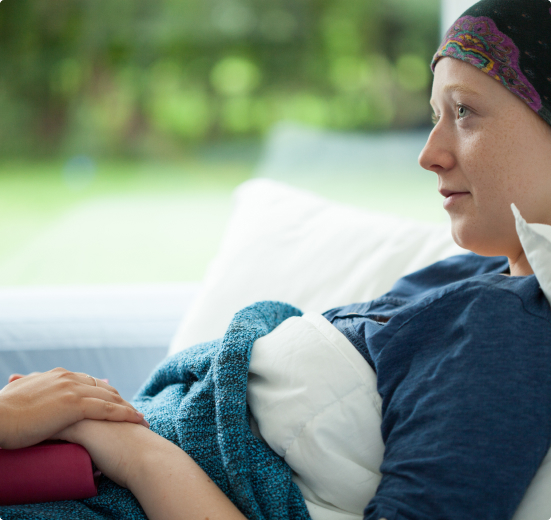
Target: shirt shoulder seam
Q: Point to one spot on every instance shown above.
(468, 287)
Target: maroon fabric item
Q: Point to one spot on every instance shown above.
(51, 470)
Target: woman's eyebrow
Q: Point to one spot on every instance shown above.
(462, 89)
(457, 87)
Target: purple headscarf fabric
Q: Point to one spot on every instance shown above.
(510, 40)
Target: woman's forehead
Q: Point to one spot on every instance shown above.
(455, 76)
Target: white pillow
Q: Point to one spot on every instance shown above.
(536, 242)
(315, 402)
(290, 245)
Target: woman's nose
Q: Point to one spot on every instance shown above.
(437, 155)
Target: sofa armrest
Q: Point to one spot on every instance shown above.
(116, 332)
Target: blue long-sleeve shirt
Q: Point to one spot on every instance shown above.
(463, 362)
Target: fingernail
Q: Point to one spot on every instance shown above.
(140, 415)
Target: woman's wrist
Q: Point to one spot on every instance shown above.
(115, 447)
(152, 451)
(145, 448)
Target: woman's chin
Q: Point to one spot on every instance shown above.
(464, 235)
(472, 239)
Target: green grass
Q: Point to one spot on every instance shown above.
(153, 223)
(132, 223)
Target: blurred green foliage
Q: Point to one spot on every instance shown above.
(141, 78)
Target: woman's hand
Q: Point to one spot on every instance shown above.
(37, 406)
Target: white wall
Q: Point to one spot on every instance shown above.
(452, 10)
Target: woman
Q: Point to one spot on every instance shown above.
(462, 349)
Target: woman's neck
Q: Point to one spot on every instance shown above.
(520, 266)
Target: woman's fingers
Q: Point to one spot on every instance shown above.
(94, 381)
(15, 377)
(106, 393)
(110, 406)
(103, 410)
(89, 387)
(89, 380)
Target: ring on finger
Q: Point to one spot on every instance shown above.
(95, 380)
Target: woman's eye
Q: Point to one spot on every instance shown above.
(462, 111)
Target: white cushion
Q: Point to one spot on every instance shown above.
(536, 242)
(287, 244)
(316, 404)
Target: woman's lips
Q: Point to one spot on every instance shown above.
(454, 198)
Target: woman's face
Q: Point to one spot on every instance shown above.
(493, 149)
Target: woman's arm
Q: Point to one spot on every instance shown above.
(166, 481)
(34, 407)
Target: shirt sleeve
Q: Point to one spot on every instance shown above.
(466, 388)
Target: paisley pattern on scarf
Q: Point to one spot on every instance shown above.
(479, 42)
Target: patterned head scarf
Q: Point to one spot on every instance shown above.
(510, 40)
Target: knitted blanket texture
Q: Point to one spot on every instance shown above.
(197, 400)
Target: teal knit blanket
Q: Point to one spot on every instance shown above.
(197, 400)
